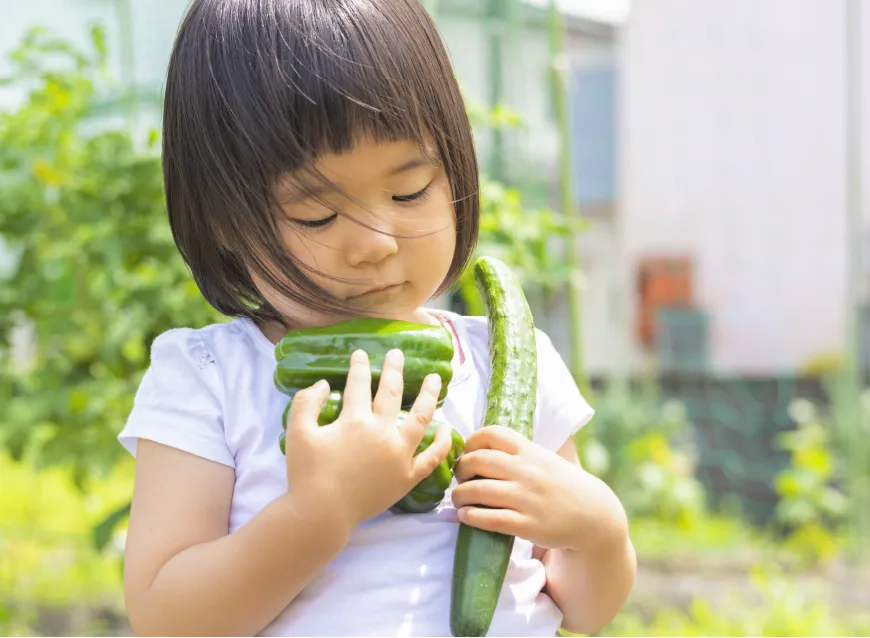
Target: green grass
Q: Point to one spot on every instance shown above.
(46, 554)
(781, 608)
(707, 536)
(47, 561)
(784, 609)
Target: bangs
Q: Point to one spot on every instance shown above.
(284, 82)
(260, 88)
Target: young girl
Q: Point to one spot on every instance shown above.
(319, 166)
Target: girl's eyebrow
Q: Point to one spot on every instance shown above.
(424, 158)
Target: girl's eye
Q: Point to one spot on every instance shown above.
(315, 223)
(413, 197)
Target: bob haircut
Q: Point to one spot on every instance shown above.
(257, 89)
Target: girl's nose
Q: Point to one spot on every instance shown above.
(369, 245)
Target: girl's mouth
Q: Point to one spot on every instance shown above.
(377, 289)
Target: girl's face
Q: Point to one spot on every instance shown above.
(394, 244)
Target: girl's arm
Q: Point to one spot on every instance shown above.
(185, 575)
(590, 584)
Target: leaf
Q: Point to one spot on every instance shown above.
(47, 174)
(98, 40)
(103, 531)
(787, 484)
(834, 501)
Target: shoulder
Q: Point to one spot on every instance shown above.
(181, 399)
(202, 364)
(213, 337)
(186, 363)
(208, 346)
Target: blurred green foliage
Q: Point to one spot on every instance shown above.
(532, 240)
(95, 274)
(640, 446)
(812, 509)
(776, 606)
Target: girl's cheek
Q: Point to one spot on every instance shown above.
(303, 249)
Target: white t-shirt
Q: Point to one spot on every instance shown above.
(210, 392)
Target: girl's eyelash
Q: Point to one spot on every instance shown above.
(402, 199)
(413, 197)
(315, 223)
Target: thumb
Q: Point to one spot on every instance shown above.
(306, 404)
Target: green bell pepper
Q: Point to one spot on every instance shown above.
(428, 493)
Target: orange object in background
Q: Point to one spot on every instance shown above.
(661, 281)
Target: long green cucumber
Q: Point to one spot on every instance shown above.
(482, 557)
(307, 355)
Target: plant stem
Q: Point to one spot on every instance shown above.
(851, 380)
(561, 68)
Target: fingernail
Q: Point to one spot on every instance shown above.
(323, 384)
(359, 356)
(395, 357)
(432, 383)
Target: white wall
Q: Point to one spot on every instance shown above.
(525, 84)
(597, 248)
(732, 119)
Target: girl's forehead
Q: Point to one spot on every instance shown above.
(362, 163)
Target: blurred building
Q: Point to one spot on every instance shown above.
(732, 182)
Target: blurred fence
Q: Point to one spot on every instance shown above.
(735, 422)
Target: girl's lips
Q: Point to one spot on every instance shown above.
(376, 290)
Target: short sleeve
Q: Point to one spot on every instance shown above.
(178, 401)
(561, 409)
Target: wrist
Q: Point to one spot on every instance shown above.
(312, 506)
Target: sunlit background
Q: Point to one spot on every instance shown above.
(678, 182)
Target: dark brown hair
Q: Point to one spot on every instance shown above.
(260, 88)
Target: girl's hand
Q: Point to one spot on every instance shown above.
(363, 462)
(528, 491)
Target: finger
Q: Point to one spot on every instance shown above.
(504, 521)
(358, 390)
(306, 404)
(388, 400)
(421, 413)
(486, 463)
(489, 493)
(429, 459)
(496, 437)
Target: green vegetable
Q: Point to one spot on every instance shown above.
(482, 557)
(428, 493)
(328, 413)
(309, 355)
